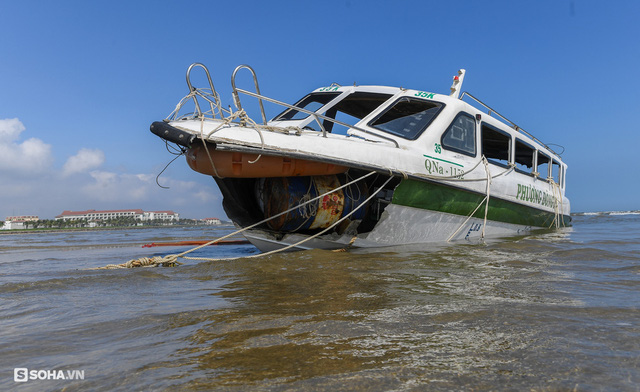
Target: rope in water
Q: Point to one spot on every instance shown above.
(172, 259)
(308, 238)
(485, 200)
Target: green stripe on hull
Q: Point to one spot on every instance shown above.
(442, 198)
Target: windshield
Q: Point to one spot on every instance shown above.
(348, 111)
(408, 117)
(311, 102)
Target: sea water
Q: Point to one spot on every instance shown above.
(557, 310)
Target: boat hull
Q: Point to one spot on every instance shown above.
(405, 213)
(235, 164)
(399, 225)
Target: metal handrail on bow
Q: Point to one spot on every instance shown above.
(236, 97)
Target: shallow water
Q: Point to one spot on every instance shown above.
(552, 311)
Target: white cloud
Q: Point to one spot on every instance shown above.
(48, 195)
(10, 130)
(32, 185)
(205, 196)
(85, 160)
(31, 156)
(134, 188)
(108, 186)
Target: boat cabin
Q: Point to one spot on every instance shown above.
(426, 122)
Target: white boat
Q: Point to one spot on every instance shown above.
(369, 166)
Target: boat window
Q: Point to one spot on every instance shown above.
(524, 157)
(333, 127)
(351, 110)
(496, 145)
(461, 135)
(543, 165)
(311, 102)
(555, 172)
(407, 117)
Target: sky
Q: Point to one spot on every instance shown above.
(81, 81)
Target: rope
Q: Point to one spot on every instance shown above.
(167, 261)
(349, 245)
(486, 208)
(244, 120)
(306, 210)
(204, 146)
(561, 211)
(349, 192)
(299, 242)
(557, 205)
(171, 260)
(484, 200)
(323, 231)
(238, 114)
(193, 95)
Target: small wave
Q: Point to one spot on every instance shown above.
(89, 280)
(593, 254)
(607, 213)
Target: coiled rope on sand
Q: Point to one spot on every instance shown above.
(156, 261)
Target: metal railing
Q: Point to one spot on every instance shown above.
(214, 102)
(316, 116)
(236, 97)
(491, 111)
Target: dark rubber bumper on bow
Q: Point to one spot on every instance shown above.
(172, 134)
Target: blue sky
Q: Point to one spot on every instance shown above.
(81, 81)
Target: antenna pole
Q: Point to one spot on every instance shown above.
(457, 84)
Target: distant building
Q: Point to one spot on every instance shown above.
(18, 222)
(23, 218)
(160, 215)
(94, 215)
(212, 221)
(99, 215)
(13, 225)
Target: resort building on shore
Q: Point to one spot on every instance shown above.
(18, 222)
(22, 218)
(94, 215)
(212, 221)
